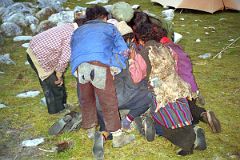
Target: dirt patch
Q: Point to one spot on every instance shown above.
(10, 143)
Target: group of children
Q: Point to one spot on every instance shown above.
(125, 65)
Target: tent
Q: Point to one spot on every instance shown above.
(210, 6)
(232, 4)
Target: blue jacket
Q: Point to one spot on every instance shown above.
(97, 41)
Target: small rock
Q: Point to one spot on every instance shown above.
(205, 56)
(28, 94)
(2, 105)
(182, 19)
(177, 37)
(26, 63)
(231, 40)
(32, 143)
(135, 6)
(206, 33)
(43, 101)
(25, 45)
(198, 40)
(22, 38)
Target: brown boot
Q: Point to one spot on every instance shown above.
(210, 118)
(121, 139)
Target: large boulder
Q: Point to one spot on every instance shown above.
(62, 17)
(44, 25)
(11, 29)
(44, 13)
(122, 11)
(5, 3)
(56, 4)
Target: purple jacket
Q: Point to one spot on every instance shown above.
(184, 65)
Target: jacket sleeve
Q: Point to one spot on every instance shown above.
(120, 45)
(64, 57)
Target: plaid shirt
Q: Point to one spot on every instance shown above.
(52, 47)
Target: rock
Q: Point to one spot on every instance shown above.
(135, 6)
(25, 45)
(11, 29)
(26, 63)
(2, 105)
(28, 94)
(6, 3)
(17, 18)
(98, 1)
(32, 142)
(30, 19)
(198, 40)
(168, 14)
(22, 38)
(45, 25)
(43, 101)
(45, 13)
(205, 56)
(62, 17)
(177, 37)
(55, 4)
(18, 8)
(6, 59)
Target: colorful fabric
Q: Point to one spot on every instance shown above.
(167, 84)
(173, 115)
(52, 47)
(98, 41)
(183, 65)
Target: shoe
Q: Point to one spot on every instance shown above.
(200, 141)
(91, 132)
(58, 126)
(126, 125)
(182, 152)
(210, 118)
(98, 150)
(149, 129)
(139, 125)
(75, 122)
(120, 139)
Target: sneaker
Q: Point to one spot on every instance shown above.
(91, 132)
(210, 118)
(149, 129)
(121, 139)
(98, 150)
(182, 152)
(200, 141)
(139, 125)
(126, 125)
(58, 126)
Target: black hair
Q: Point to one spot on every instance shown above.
(96, 12)
(148, 31)
(80, 21)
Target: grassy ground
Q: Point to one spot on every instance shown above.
(218, 80)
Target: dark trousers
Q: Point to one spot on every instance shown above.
(182, 137)
(196, 112)
(135, 108)
(55, 95)
(107, 99)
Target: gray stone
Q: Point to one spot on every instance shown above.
(11, 29)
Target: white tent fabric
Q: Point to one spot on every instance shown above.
(232, 4)
(210, 6)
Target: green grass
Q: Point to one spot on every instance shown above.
(218, 79)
